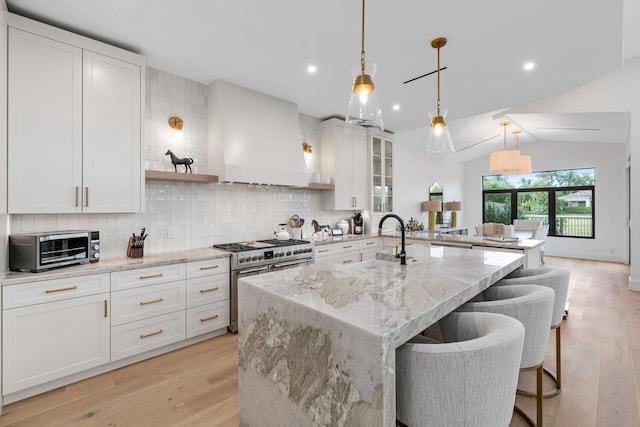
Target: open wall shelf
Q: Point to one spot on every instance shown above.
(180, 177)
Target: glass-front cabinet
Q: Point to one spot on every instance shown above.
(382, 174)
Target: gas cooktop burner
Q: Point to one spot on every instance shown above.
(258, 244)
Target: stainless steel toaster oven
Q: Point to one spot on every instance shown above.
(43, 251)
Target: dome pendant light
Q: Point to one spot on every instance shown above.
(364, 109)
(505, 161)
(439, 137)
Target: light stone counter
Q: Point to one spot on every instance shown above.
(317, 343)
(115, 264)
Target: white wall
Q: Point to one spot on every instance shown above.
(610, 243)
(415, 173)
(616, 91)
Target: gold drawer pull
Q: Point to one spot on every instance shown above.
(71, 288)
(347, 247)
(105, 308)
(347, 261)
(211, 267)
(323, 250)
(152, 276)
(204, 291)
(209, 318)
(371, 243)
(151, 302)
(151, 334)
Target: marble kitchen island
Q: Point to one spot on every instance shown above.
(317, 343)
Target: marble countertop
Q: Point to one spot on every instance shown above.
(115, 264)
(385, 298)
(474, 240)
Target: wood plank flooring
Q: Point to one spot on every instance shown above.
(198, 385)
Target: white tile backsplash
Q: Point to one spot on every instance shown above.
(200, 214)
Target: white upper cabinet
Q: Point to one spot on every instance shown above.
(345, 158)
(45, 124)
(381, 174)
(74, 134)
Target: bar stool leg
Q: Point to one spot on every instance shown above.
(557, 376)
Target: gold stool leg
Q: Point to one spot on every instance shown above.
(539, 398)
(557, 377)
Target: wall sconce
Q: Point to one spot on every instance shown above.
(432, 206)
(306, 148)
(176, 124)
(453, 207)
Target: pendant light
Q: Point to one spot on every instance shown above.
(439, 137)
(525, 161)
(364, 108)
(505, 161)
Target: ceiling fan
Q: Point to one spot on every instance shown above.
(424, 75)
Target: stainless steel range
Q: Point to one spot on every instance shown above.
(262, 256)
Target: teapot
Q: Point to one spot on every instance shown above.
(281, 232)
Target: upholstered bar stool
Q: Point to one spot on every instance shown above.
(532, 305)
(558, 280)
(469, 380)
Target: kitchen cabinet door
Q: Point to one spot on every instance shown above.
(45, 125)
(48, 341)
(381, 174)
(345, 157)
(111, 134)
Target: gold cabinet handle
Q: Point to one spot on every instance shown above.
(71, 288)
(151, 334)
(86, 197)
(209, 318)
(371, 243)
(347, 261)
(77, 189)
(151, 276)
(211, 267)
(347, 247)
(105, 308)
(151, 302)
(204, 291)
(323, 250)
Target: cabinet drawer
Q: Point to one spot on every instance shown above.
(144, 335)
(345, 247)
(347, 258)
(205, 290)
(370, 244)
(207, 318)
(140, 303)
(53, 290)
(147, 276)
(207, 267)
(325, 250)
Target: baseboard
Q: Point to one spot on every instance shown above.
(587, 255)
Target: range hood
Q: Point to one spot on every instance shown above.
(254, 137)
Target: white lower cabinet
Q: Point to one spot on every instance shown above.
(144, 335)
(44, 342)
(53, 329)
(348, 251)
(324, 253)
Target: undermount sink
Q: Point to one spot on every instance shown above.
(384, 256)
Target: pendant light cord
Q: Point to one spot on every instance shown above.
(362, 50)
(438, 80)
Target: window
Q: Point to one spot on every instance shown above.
(563, 199)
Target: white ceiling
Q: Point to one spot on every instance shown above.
(266, 46)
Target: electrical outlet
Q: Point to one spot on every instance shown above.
(171, 234)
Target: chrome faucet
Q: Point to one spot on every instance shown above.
(402, 255)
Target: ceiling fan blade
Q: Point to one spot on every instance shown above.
(424, 75)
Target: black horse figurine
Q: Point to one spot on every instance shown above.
(186, 161)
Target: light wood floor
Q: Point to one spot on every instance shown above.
(197, 386)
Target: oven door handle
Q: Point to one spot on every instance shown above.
(288, 265)
(253, 270)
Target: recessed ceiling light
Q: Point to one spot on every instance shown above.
(396, 107)
(311, 69)
(529, 66)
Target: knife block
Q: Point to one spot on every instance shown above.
(134, 251)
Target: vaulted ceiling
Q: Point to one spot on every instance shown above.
(267, 46)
